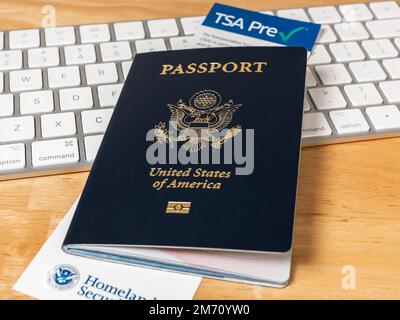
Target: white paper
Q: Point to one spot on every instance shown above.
(54, 274)
(208, 37)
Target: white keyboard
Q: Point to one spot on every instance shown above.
(58, 86)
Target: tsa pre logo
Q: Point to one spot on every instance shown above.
(63, 277)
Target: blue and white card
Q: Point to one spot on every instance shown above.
(230, 26)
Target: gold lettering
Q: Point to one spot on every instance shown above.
(214, 66)
(245, 67)
(158, 172)
(260, 65)
(202, 68)
(154, 172)
(165, 68)
(178, 69)
(225, 67)
(197, 173)
(191, 68)
(186, 173)
(211, 174)
(175, 184)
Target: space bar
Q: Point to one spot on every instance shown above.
(55, 152)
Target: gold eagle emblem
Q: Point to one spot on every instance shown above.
(199, 121)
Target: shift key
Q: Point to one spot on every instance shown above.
(55, 152)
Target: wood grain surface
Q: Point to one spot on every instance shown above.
(348, 211)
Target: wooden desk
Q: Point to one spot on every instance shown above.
(349, 194)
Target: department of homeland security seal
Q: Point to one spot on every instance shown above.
(63, 277)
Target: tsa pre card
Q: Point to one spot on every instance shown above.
(230, 26)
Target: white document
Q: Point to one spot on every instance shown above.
(54, 274)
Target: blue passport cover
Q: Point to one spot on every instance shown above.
(206, 206)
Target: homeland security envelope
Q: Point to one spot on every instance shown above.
(55, 275)
(227, 26)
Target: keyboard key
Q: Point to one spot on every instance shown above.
(36, 102)
(10, 59)
(310, 79)
(60, 36)
(333, 74)
(43, 57)
(116, 51)
(307, 104)
(327, 14)
(363, 94)
(346, 51)
(58, 124)
(295, 14)
(384, 117)
(92, 144)
(326, 35)
(25, 80)
(109, 94)
(76, 98)
(180, 43)
(191, 25)
(319, 55)
(392, 66)
(64, 77)
(94, 33)
(80, 54)
(350, 31)
(101, 73)
(6, 104)
(315, 125)
(385, 9)
(55, 152)
(355, 12)
(96, 121)
(367, 71)
(378, 49)
(126, 66)
(1, 82)
(391, 90)
(327, 98)
(397, 42)
(129, 30)
(163, 28)
(1, 40)
(17, 128)
(12, 156)
(384, 28)
(150, 45)
(21, 39)
(349, 121)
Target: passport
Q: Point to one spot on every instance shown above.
(197, 172)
